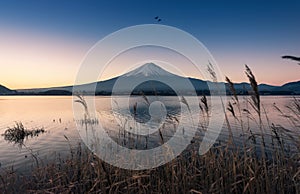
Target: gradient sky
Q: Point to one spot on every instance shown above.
(42, 43)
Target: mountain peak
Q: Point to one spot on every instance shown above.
(149, 70)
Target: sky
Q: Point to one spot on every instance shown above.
(43, 43)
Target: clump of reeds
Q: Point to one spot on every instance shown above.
(87, 118)
(81, 100)
(219, 171)
(18, 133)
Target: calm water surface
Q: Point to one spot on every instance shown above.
(55, 115)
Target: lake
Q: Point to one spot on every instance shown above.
(55, 115)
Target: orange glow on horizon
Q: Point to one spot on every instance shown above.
(38, 61)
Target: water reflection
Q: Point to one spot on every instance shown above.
(126, 124)
(140, 106)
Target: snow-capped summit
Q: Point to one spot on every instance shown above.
(148, 70)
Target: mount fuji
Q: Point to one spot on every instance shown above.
(148, 70)
(153, 80)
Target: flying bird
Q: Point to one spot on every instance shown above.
(157, 19)
(291, 58)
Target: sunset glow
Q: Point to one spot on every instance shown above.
(42, 51)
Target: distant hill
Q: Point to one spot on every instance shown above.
(292, 86)
(5, 91)
(55, 92)
(153, 79)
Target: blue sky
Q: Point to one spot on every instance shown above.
(236, 32)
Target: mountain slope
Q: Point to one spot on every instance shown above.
(5, 91)
(292, 86)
